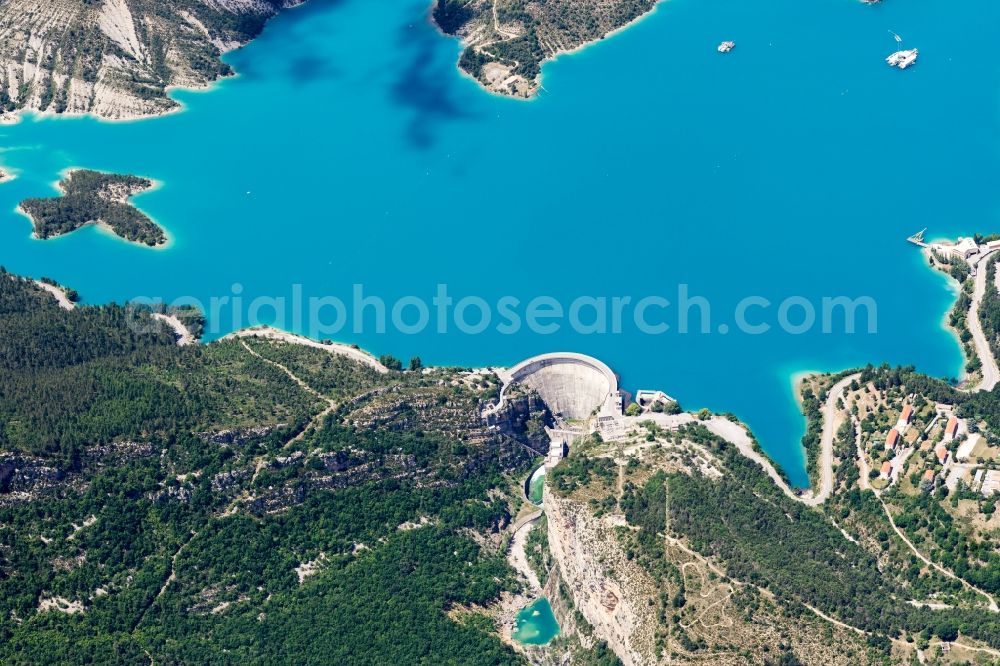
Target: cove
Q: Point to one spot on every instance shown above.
(350, 151)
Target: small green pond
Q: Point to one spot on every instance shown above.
(536, 625)
(536, 486)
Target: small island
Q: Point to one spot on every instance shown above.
(92, 197)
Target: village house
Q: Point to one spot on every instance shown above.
(951, 429)
(892, 439)
(905, 418)
(928, 479)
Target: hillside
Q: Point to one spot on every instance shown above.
(673, 547)
(116, 58)
(257, 501)
(247, 501)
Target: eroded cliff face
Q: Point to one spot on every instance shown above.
(609, 590)
(117, 58)
(525, 417)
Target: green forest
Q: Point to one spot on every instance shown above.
(171, 498)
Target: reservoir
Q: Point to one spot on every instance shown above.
(350, 157)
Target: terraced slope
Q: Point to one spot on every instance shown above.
(116, 58)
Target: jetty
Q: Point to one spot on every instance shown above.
(918, 238)
(902, 59)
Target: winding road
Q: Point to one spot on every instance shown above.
(331, 404)
(832, 418)
(991, 373)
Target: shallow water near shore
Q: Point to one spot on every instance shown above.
(351, 151)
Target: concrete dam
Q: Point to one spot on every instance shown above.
(574, 386)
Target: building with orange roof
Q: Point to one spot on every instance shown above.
(942, 453)
(951, 429)
(892, 439)
(886, 470)
(928, 476)
(907, 414)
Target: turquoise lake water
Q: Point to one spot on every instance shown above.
(351, 151)
(536, 625)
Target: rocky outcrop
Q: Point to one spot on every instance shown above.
(609, 590)
(23, 478)
(525, 417)
(21, 474)
(117, 58)
(240, 436)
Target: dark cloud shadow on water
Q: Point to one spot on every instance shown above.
(426, 83)
(308, 69)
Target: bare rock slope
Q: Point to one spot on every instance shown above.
(116, 58)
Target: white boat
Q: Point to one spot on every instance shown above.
(726, 47)
(902, 59)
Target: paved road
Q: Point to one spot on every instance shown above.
(991, 374)
(832, 419)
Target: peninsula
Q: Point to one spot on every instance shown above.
(506, 41)
(92, 197)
